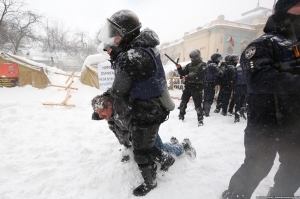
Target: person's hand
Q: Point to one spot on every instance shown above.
(183, 78)
(178, 65)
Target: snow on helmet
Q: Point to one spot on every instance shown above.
(118, 27)
(195, 54)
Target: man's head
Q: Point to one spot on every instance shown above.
(120, 29)
(195, 54)
(287, 18)
(233, 60)
(216, 57)
(103, 105)
(226, 57)
(288, 6)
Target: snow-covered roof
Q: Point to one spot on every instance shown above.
(23, 61)
(254, 14)
(92, 61)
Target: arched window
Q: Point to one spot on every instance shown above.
(229, 50)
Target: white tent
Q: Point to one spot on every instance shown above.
(89, 71)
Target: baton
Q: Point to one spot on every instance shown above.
(172, 59)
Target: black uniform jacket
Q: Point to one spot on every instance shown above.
(274, 93)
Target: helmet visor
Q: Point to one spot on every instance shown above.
(111, 34)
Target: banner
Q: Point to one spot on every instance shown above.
(106, 75)
(9, 75)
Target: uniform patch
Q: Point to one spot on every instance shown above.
(249, 52)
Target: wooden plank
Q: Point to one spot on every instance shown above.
(66, 74)
(66, 99)
(63, 86)
(72, 105)
(72, 74)
(69, 86)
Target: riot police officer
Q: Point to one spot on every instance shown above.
(213, 73)
(227, 84)
(219, 81)
(139, 89)
(240, 93)
(194, 76)
(271, 65)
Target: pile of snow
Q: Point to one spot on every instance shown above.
(94, 60)
(59, 152)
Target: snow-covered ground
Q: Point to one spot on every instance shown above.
(60, 153)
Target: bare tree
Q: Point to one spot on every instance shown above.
(22, 27)
(81, 46)
(8, 7)
(55, 41)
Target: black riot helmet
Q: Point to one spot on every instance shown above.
(216, 57)
(284, 5)
(233, 60)
(120, 29)
(195, 54)
(227, 57)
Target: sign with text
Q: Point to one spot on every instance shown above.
(178, 84)
(9, 75)
(106, 75)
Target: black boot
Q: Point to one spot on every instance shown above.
(199, 116)
(278, 194)
(242, 112)
(218, 108)
(206, 108)
(149, 175)
(271, 192)
(181, 117)
(182, 112)
(174, 140)
(165, 160)
(231, 195)
(236, 117)
(200, 122)
(188, 148)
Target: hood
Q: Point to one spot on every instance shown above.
(284, 24)
(271, 26)
(147, 38)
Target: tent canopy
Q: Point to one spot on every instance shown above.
(30, 72)
(89, 73)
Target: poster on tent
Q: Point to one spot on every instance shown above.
(106, 75)
(9, 75)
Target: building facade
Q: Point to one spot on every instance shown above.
(222, 36)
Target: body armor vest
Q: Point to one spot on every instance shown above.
(196, 73)
(153, 86)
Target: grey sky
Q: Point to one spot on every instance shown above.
(168, 18)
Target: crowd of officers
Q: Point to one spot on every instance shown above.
(200, 77)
